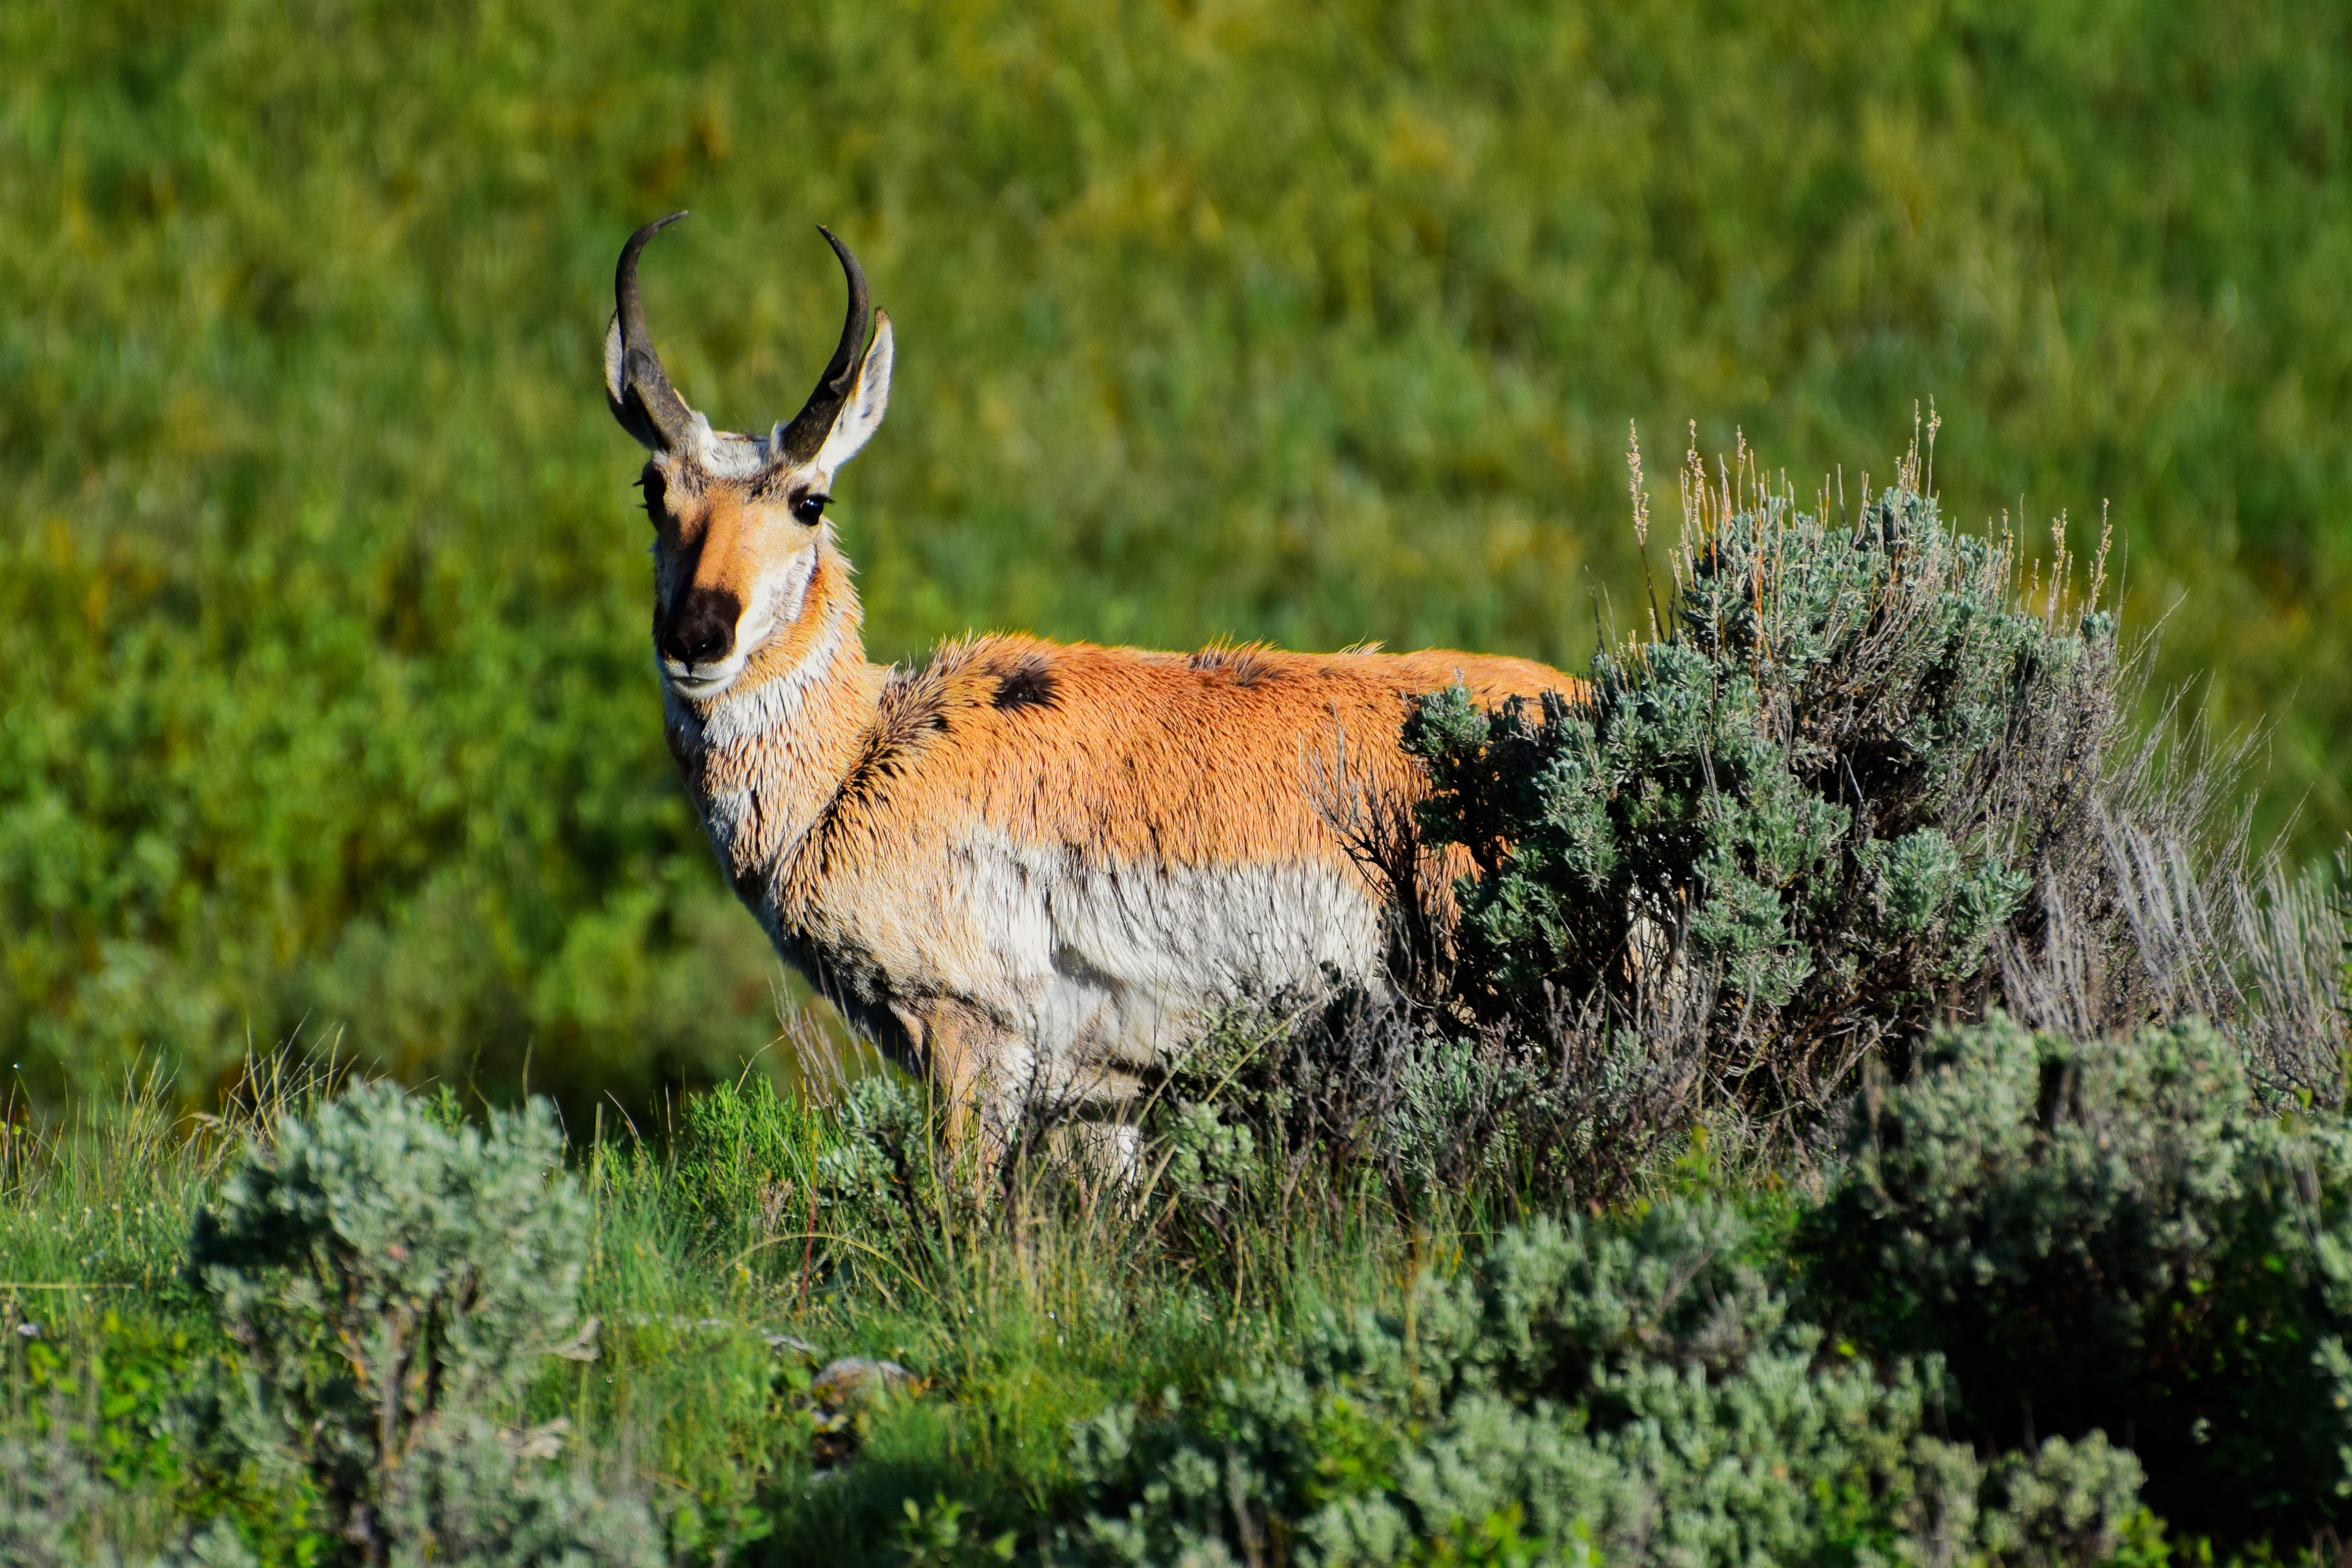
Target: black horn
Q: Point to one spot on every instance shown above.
(806, 433)
(643, 400)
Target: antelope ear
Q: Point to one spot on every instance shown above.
(631, 417)
(861, 411)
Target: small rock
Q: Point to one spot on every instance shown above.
(855, 1381)
(839, 1398)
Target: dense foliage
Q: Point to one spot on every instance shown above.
(321, 607)
(2054, 1291)
(394, 1279)
(1588, 1394)
(1668, 1216)
(1514, 1263)
(2121, 1234)
(2036, 1252)
(1817, 797)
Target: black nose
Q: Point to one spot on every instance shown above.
(701, 629)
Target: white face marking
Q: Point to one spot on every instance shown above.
(776, 601)
(773, 705)
(777, 598)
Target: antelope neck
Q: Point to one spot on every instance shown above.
(764, 758)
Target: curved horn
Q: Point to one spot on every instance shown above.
(643, 400)
(809, 428)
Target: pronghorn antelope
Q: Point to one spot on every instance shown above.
(1025, 868)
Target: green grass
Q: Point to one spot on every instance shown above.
(324, 703)
(1018, 1322)
(322, 611)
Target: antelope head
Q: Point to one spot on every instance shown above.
(738, 520)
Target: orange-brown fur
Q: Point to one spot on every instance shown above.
(1099, 757)
(1030, 866)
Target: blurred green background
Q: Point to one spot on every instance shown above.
(323, 611)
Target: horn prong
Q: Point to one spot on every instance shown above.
(806, 433)
(644, 401)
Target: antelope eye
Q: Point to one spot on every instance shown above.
(809, 509)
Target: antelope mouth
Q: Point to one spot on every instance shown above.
(704, 683)
(709, 680)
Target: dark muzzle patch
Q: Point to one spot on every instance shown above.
(701, 627)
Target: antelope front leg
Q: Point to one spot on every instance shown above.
(966, 1058)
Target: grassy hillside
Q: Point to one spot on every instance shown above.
(1866, 1107)
(761, 1348)
(321, 603)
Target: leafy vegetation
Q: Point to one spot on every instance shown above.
(1928, 1358)
(389, 1276)
(321, 609)
(1519, 1266)
(1818, 800)
(2121, 1234)
(1798, 1140)
(1588, 1392)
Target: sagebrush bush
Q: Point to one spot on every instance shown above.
(882, 1175)
(470, 1493)
(1811, 794)
(1867, 774)
(49, 1501)
(1854, 781)
(1589, 1391)
(394, 1276)
(2121, 1234)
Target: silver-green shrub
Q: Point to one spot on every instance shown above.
(393, 1277)
(470, 1493)
(881, 1176)
(1813, 800)
(50, 1504)
(1631, 1392)
(2121, 1234)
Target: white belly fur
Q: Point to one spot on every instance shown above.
(1119, 964)
(1093, 970)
